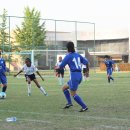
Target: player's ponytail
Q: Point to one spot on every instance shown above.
(70, 47)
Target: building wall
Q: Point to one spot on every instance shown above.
(119, 46)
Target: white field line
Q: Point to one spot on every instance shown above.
(86, 83)
(63, 115)
(30, 120)
(114, 127)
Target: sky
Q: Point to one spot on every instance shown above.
(104, 13)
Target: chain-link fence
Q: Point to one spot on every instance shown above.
(58, 33)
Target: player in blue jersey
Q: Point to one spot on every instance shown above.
(3, 78)
(74, 61)
(109, 67)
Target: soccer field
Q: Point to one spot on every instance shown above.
(109, 105)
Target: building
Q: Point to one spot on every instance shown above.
(110, 42)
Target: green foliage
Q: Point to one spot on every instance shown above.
(31, 34)
(4, 36)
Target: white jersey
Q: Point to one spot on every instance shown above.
(29, 70)
(58, 63)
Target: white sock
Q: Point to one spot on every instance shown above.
(29, 89)
(59, 79)
(87, 78)
(43, 90)
(62, 81)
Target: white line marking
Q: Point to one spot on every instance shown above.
(22, 119)
(30, 120)
(63, 115)
(114, 127)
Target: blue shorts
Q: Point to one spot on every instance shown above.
(3, 79)
(75, 80)
(109, 71)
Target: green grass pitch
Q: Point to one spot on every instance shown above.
(109, 105)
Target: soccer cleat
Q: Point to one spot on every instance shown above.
(68, 106)
(29, 94)
(45, 94)
(83, 109)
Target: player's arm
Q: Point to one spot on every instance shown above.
(64, 62)
(113, 65)
(87, 67)
(40, 75)
(4, 67)
(87, 70)
(18, 73)
(56, 67)
(85, 62)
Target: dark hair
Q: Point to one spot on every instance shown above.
(28, 59)
(106, 56)
(70, 47)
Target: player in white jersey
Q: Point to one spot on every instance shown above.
(60, 72)
(29, 71)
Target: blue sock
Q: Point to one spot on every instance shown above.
(111, 78)
(108, 79)
(67, 96)
(79, 101)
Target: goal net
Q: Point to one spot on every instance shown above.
(44, 60)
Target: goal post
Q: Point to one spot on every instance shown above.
(46, 59)
(42, 59)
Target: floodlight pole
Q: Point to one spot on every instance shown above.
(94, 50)
(129, 46)
(9, 44)
(75, 35)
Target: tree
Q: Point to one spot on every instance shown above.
(4, 36)
(31, 35)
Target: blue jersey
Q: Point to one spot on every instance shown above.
(3, 78)
(109, 66)
(74, 61)
(2, 66)
(109, 63)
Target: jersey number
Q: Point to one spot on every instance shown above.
(77, 62)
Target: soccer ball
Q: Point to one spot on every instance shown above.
(2, 95)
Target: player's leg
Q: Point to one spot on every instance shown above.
(62, 77)
(56, 72)
(4, 83)
(0, 83)
(79, 100)
(76, 79)
(59, 78)
(66, 92)
(3, 80)
(111, 71)
(40, 87)
(28, 80)
(84, 75)
(108, 75)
